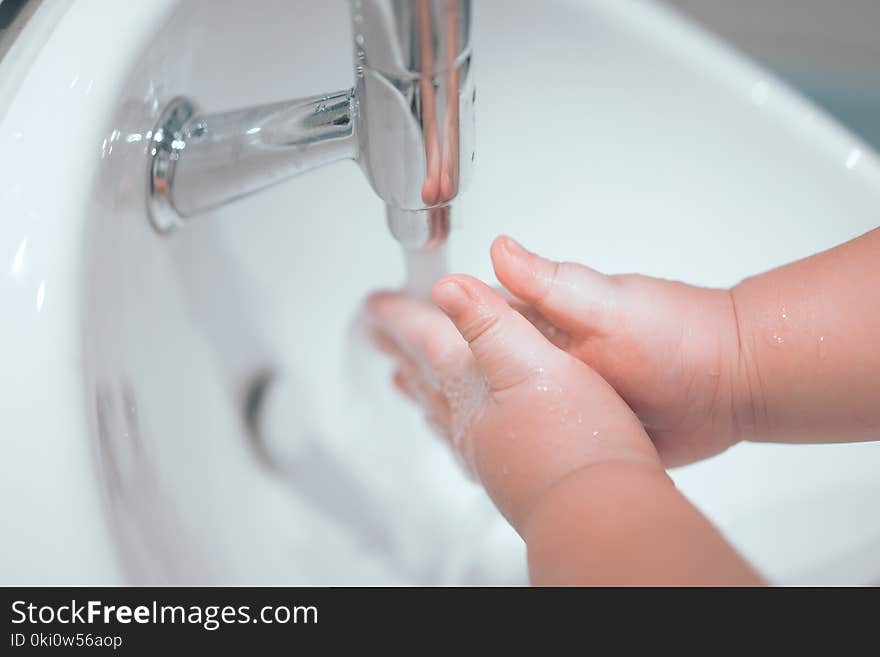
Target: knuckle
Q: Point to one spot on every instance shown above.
(482, 327)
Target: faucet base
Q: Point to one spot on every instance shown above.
(167, 145)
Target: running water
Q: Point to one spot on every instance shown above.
(423, 269)
(394, 505)
(418, 515)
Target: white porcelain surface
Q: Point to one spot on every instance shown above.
(126, 356)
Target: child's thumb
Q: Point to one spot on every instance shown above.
(507, 347)
(567, 294)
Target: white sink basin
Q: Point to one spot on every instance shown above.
(610, 133)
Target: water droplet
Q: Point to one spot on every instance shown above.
(359, 39)
(823, 347)
(595, 434)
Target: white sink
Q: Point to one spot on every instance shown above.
(610, 133)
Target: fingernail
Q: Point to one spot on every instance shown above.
(451, 297)
(514, 248)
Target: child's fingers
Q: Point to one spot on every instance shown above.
(399, 319)
(422, 335)
(556, 335)
(568, 294)
(507, 348)
(384, 343)
(404, 384)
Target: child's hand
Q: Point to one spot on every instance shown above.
(559, 452)
(669, 349)
(523, 414)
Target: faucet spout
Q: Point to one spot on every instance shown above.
(416, 124)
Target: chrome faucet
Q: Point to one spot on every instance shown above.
(408, 122)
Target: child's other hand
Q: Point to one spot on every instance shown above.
(669, 349)
(523, 414)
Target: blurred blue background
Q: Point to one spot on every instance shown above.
(828, 49)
